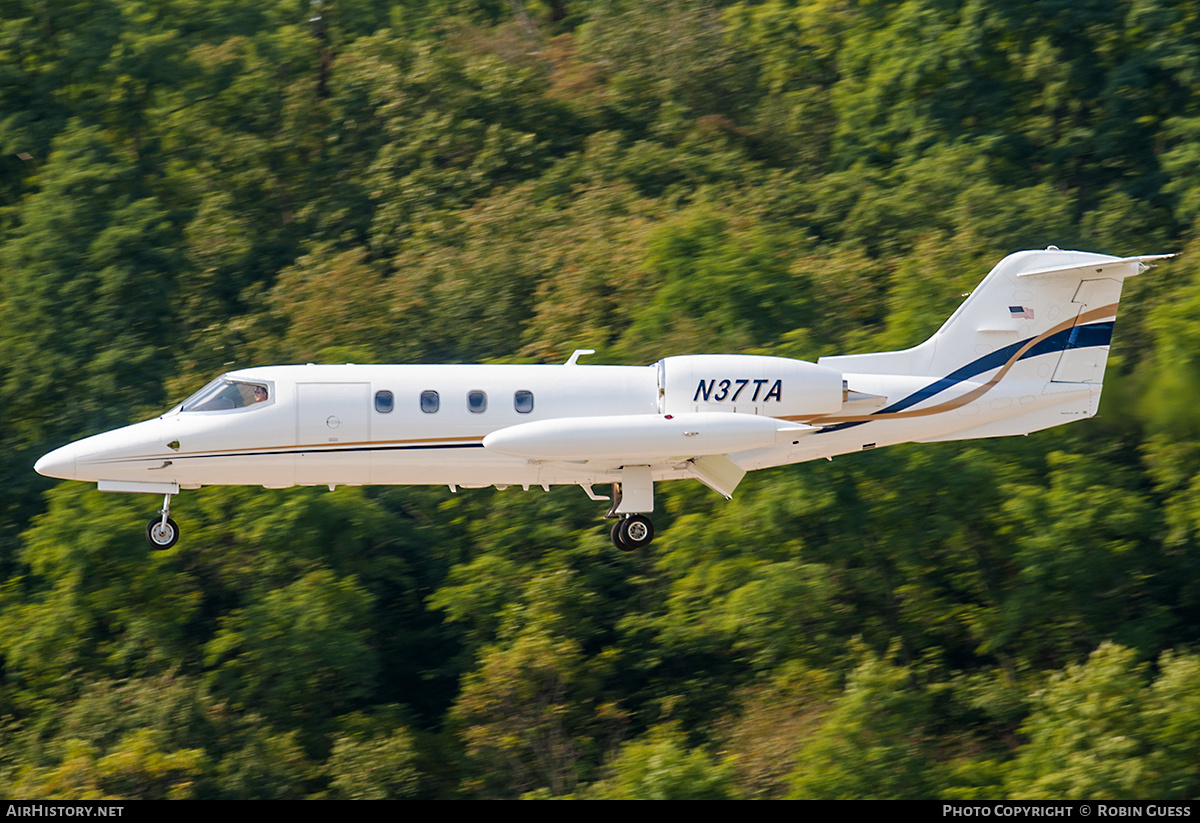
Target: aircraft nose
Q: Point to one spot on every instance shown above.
(58, 463)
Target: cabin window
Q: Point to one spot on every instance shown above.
(476, 402)
(430, 402)
(385, 401)
(523, 401)
(223, 393)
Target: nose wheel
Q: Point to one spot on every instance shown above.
(632, 533)
(162, 532)
(162, 535)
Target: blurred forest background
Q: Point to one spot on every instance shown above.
(189, 186)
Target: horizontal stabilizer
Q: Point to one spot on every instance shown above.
(1106, 268)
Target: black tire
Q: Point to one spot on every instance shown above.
(636, 532)
(615, 535)
(160, 539)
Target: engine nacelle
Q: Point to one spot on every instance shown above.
(748, 384)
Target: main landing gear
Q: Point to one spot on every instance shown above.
(631, 499)
(632, 532)
(161, 532)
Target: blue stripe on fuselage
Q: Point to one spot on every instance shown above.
(1076, 337)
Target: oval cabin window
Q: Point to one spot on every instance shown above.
(476, 402)
(523, 401)
(430, 402)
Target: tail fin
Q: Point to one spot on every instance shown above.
(1032, 341)
(1049, 301)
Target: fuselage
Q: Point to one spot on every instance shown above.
(567, 424)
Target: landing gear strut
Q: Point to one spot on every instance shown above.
(161, 532)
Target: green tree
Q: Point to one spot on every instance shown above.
(299, 654)
(662, 767)
(381, 767)
(1086, 733)
(874, 741)
(89, 279)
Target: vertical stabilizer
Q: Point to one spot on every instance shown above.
(1032, 303)
(1025, 351)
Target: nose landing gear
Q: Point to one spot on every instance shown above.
(162, 532)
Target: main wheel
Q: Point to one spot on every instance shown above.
(615, 535)
(636, 532)
(159, 537)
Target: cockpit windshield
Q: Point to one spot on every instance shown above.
(224, 393)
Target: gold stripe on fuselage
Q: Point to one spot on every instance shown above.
(313, 447)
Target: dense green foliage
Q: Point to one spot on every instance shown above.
(187, 187)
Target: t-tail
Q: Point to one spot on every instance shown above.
(1025, 351)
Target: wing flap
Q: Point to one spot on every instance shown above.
(717, 472)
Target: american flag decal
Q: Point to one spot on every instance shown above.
(1020, 312)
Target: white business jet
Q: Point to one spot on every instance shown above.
(1025, 351)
